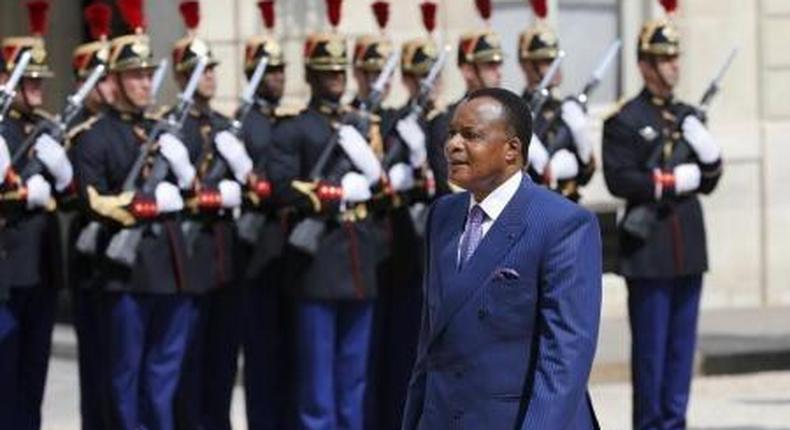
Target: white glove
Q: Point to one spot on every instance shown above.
(563, 165)
(538, 155)
(234, 153)
(230, 193)
(5, 160)
(401, 177)
(54, 158)
(412, 134)
(573, 115)
(360, 153)
(177, 156)
(168, 198)
(39, 192)
(687, 178)
(700, 139)
(355, 188)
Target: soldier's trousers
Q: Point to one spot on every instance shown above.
(333, 340)
(209, 370)
(663, 316)
(92, 355)
(26, 322)
(268, 357)
(147, 336)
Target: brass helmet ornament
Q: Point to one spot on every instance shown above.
(131, 51)
(14, 47)
(419, 54)
(660, 37)
(327, 51)
(266, 45)
(482, 46)
(538, 42)
(189, 50)
(372, 51)
(87, 56)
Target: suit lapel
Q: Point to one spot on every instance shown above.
(459, 287)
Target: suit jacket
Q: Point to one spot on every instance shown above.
(508, 342)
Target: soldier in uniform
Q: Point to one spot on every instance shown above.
(147, 312)
(335, 245)
(27, 235)
(209, 369)
(86, 295)
(659, 156)
(480, 61)
(268, 327)
(562, 155)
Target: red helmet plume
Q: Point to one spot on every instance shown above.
(267, 12)
(38, 11)
(669, 5)
(484, 7)
(132, 13)
(540, 8)
(333, 8)
(428, 9)
(98, 16)
(381, 10)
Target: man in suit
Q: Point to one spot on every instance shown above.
(512, 287)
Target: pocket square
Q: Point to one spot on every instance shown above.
(508, 273)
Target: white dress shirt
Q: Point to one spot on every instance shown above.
(493, 204)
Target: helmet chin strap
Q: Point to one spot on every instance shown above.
(125, 96)
(654, 65)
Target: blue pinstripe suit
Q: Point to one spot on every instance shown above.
(508, 341)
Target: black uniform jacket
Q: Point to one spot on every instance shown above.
(643, 135)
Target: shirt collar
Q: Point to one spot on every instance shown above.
(495, 203)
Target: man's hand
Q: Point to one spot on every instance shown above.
(538, 155)
(39, 192)
(115, 208)
(168, 198)
(401, 177)
(412, 134)
(5, 160)
(563, 165)
(700, 139)
(177, 156)
(579, 124)
(355, 188)
(360, 153)
(234, 153)
(230, 193)
(687, 178)
(53, 157)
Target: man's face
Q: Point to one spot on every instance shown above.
(135, 87)
(663, 72)
(481, 150)
(482, 75)
(273, 83)
(536, 70)
(207, 84)
(412, 84)
(330, 84)
(31, 92)
(102, 93)
(366, 80)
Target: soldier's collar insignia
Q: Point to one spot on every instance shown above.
(648, 133)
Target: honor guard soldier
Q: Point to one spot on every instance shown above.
(562, 155)
(268, 328)
(27, 232)
(147, 312)
(209, 368)
(480, 60)
(659, 156)
(335, 246)
(86, 294)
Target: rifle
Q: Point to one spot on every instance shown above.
(8, 91)
(88, 239)
(123, 245)
(639, 221)
(419, 103)
(248, 224)
(308, 231)
(562, 139)
(541, 93)
(56, 127)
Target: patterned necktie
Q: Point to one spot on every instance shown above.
(473, 234)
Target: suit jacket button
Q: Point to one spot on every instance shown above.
(459, 374)
(481, 313)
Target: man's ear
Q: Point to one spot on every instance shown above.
(513, 152)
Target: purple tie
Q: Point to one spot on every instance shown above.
(473, 234)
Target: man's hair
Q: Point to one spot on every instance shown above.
(517, 113)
